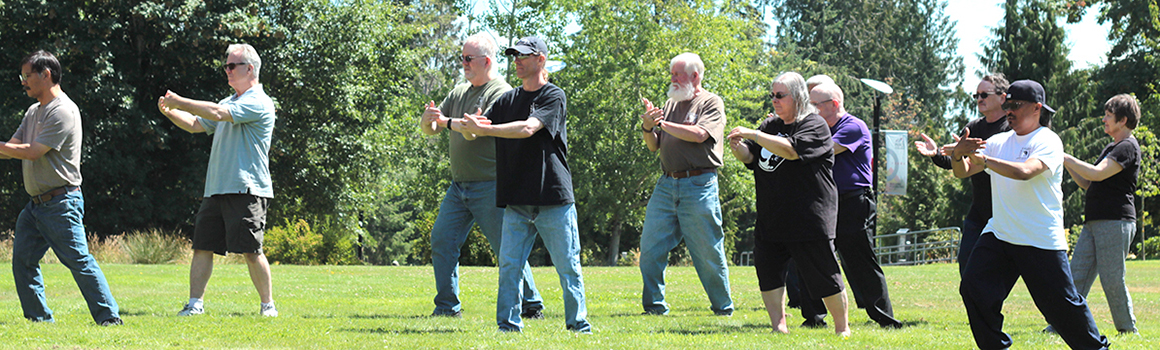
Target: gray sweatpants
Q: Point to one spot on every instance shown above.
(1101, 250)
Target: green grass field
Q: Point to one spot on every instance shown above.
(385, 307)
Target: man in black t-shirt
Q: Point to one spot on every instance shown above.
(989, 97)
(1110, 211)
(533, 184)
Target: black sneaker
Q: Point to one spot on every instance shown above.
(457, 314)
(812, 324)
(112, 322)
(533, 314)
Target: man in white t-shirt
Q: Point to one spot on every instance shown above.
(1024, 237)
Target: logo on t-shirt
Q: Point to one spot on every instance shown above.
(1024, 153)
(768, 161)
(690, 118)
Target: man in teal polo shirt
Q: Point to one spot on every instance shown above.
(237, 183)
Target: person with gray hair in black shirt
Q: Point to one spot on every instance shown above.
(1110, 211)
(989, 97)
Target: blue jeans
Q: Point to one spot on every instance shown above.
(556, 225)
(1101, 249)
(58, 224)
(466, 203)
(687, 209)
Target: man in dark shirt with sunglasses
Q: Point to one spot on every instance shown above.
(470, 199)
(989, 97)
(533, 185)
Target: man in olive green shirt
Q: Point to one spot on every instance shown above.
(471, 196)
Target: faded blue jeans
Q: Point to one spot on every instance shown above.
(556, 225)
(1101, 249)
(58, 224)
(687, 209)
(466, 203)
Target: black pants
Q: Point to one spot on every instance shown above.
(854, 242)
(991, 272)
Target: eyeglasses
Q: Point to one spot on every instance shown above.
(983, 95)
(23, 78)
(231, 66)
(468, 58)
(1013, 105)
(815, 104)
(777, 96)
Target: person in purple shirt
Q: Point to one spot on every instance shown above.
(857, 212)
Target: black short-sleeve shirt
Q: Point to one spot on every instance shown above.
(1112, 199)
(533, 170)
(797, 200)
(980, 183)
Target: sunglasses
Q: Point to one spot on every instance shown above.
(524, 55)
(983, 95)
(778, 96)
(231, 66)
(468, 58)
(1013, 105)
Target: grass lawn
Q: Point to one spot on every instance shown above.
(385, 307)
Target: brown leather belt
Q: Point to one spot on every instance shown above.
(44, 197)
(689, 173)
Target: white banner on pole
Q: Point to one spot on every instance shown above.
(895, 173)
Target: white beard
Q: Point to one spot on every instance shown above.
(681, 92)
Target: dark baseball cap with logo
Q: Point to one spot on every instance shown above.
(1028, 90)
(526, 46)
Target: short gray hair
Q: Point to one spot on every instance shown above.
(693, 64)
(486, 46)
(796, 85)
(249, 54)
(819, 80)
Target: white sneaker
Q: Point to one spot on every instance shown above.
(190, 310)
(269, 311)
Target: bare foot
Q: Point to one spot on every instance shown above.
(780, 326)
(843, 333)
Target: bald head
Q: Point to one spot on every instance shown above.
(819, 79)
(828, 98)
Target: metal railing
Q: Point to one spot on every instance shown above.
(904, 247)
(907, 247)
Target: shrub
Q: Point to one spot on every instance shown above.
(6, 246)
(1150, 248)
(108, 250)
(292, 243)
(152, 247)
(329, 241)
(339, 241)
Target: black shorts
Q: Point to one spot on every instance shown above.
(816, 263)
(231, 223)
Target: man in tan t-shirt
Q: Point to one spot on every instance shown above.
(48, 143)
(688, 131)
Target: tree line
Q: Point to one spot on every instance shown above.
(350, 77)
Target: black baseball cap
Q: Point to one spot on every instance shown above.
(528, 45)
(1028, 90)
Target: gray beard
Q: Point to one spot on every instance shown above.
(681, 92)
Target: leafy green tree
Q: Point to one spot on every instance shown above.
(117, 58)
(909, 41)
